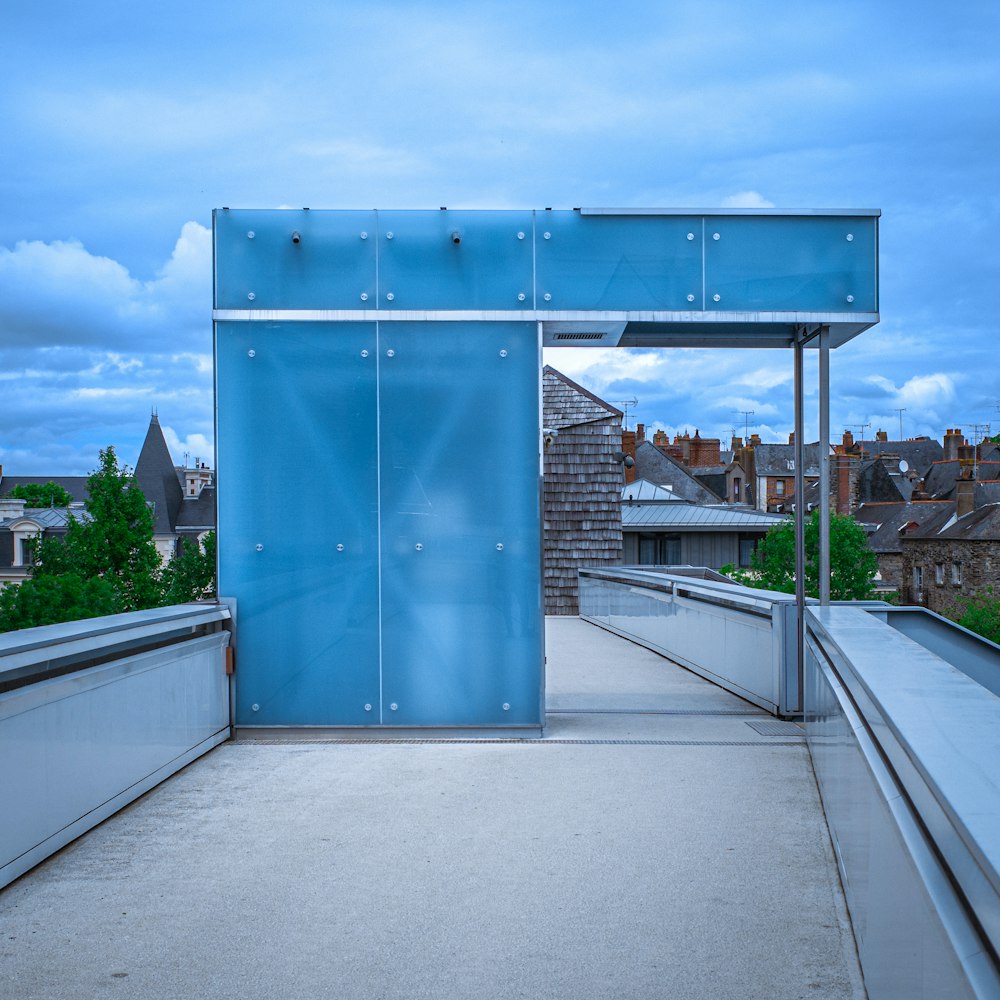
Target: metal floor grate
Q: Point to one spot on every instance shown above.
(525, 742)
(776, 727)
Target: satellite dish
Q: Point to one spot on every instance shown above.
(904, 466)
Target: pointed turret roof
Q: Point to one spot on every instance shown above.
(156, 477)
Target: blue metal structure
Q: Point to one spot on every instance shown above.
(359, 354)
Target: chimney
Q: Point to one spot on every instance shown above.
(848, 440)
(845, 482)
(791, 438)
(9, 507)
(965, 491)
(881, 436)
(952, 439)
(734, 446)
(640, 433)
(628, 447)
(754, 440)
(660, 437)
(967, 455)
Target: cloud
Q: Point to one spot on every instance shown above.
(746, 199)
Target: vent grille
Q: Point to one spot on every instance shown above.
(580, 336)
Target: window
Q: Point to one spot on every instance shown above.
(956, 574)
(747, 546)
(737, 484)
(779, 487)
(659, 550)
(27, 551)
(918, 579)
(939, 574)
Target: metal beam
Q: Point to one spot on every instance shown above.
(824, 466)
(799, 520)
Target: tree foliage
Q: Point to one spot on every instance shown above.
(981, 614)
(107, 563)
(48, 494)
(852, 562)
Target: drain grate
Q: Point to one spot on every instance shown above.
(536, 743)
(775, 727)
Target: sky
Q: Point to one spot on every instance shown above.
(123, 125)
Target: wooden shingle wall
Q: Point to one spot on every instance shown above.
(583, 486)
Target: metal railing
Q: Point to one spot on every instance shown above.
(737, 637)
(94, 713)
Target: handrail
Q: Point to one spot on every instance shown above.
(34, 654)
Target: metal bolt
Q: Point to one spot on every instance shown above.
(716, 297)
(393, 707)
(520, 296)
(850, 237)
(388, 236)
(520, 236)
(390, 353)
(368, 706)
(716, 236)
(548, 236)
(499, 546)
(503, 352)
(850, 298)
(419, 546)
(690, 298)
(259, 547)
(364, 235)
(389, 296)
(547, 297)
(364, 296)
(255, 707)
(251, 235)
(690, 236)
(506, 706)
(251, 353)
(251, 296)
(340, 547)
(364, 353)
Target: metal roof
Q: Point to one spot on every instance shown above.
(642, 490)
(695, 517)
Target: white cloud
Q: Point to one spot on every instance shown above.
(196, 446)
(746, 199)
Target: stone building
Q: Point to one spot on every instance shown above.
(584, 475)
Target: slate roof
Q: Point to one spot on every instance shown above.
(987, 492)
(918, 454)
(696, 517)
(642, 490)
(75, 486)
(156, 476)
(198, 513)
(46, 517)
(774, 459)
(887, 519)
(652, 464)
(940, 480)
(982, 525)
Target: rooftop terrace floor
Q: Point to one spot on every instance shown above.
(653, 844)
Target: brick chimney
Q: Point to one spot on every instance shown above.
(881, 436)
(754, 440)
(734, 446)
(628, 447)
(952, 439)
(848, 440)
(640, 433)
(791, 438)
(965, 491)
(845, 483)
(705, 451)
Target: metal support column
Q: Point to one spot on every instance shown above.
(824, 465)
(800, 506)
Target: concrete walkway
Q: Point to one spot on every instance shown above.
(654, 844)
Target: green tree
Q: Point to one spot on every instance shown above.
(981, 614)
(852, 562)
(114, 543)
(50, 599)
(48, 494)
(190, 576)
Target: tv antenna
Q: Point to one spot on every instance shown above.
(625, 404)
(746, 414)
(900, 410)
(861, 435)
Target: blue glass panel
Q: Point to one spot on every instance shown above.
(808, 264)
(330, 267)
(461, 524)
(615, 262)
(298, 478)
(421, 266)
